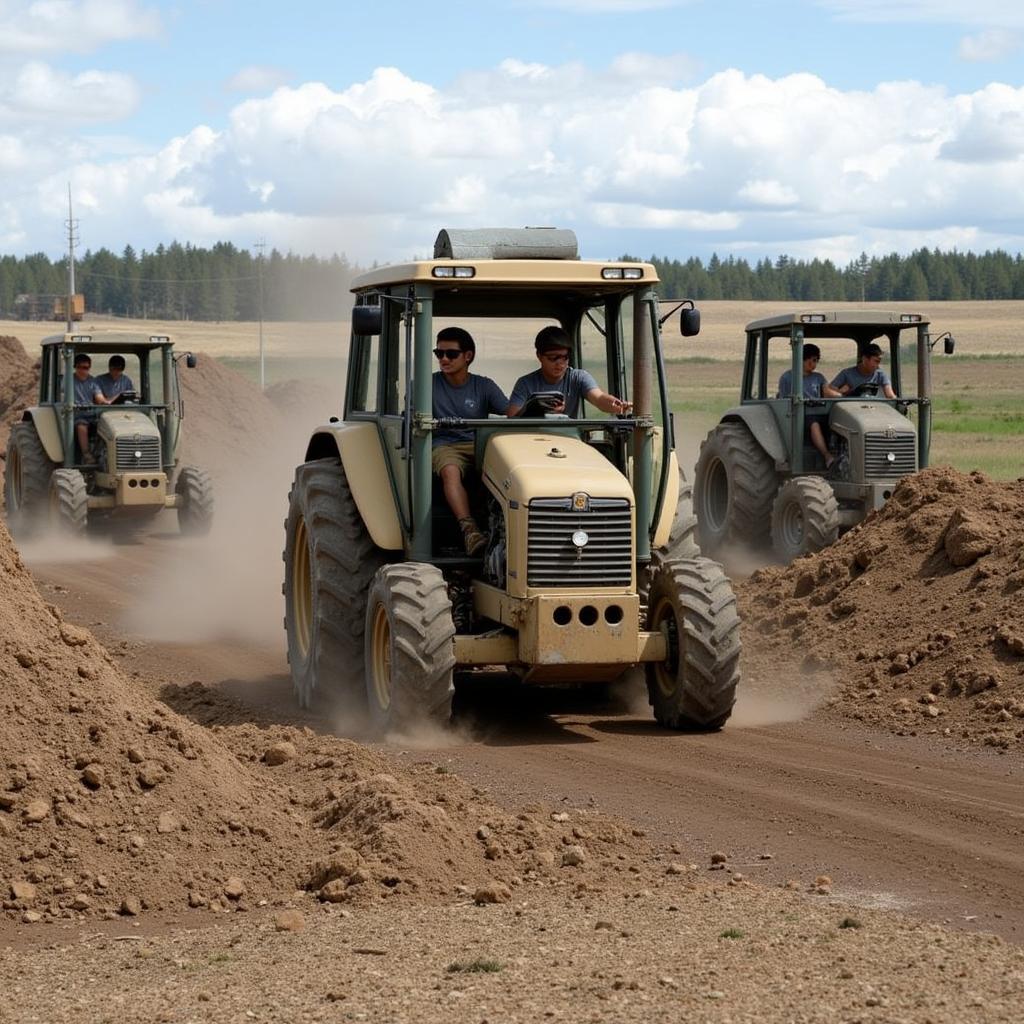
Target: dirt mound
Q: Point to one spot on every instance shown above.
(918, 612)
(18, 385)
(227, 419)
(112, 802)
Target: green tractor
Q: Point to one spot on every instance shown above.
(760, 476)
(589, 566)
(128, 469)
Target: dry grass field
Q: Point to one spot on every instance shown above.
(979, 414)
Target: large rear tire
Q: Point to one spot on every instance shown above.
(26, 480)
(69, 502)
(805, 517)
(329, 561)
(195, 513)
(409, 652)
(733, 487)
(695, 687)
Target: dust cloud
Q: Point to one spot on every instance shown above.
(54, 546)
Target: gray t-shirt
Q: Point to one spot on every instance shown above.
(475, 400)
(813, 383)
(85, 392)
(573, 386)
(852, 376)
(112, 388)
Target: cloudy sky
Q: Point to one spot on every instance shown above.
(668, 127)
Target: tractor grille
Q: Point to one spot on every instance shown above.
(148, 449)
(552, 560)
(877, 451)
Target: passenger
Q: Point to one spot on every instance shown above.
(867, 371)
(460, 394)
(87, 392)
(814, 384)
(115, 381)
(555, 374)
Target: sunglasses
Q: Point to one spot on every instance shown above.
(560, 357)
(447, 353)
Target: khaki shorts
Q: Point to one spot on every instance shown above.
(462, 454)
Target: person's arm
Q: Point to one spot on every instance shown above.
(886, 382)
(785, 390)
(496, 400)
(98, 397)
(837, 388)
(607, 403)
(518, 398)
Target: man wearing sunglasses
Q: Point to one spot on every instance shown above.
(462, 395)
(555, 374)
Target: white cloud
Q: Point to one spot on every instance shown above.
(36, 93)
(257, 78)
(74, 26)
(1007, 13)
(785, 164)
(991, 45)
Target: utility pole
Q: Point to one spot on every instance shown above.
(261, 245)
(72, 226)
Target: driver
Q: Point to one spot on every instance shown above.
(814, 384)
(867, 371)
(115, 381)
(87, 392)
(459, 394)
(555, 374)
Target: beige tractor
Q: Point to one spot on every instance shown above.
(127, 469)
(589, 566)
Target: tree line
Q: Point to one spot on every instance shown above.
(923, 275)
(186, 282)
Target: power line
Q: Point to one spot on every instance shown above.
(86, 272)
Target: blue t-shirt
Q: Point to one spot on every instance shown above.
(85, 391)
(813, 383)
(475, 400)
(112, 388)
(852, 376)
(574, 386)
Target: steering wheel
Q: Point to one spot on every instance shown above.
(868, 389)
(125, 397)
(543, 403)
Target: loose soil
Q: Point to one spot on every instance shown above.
(545, 860)
(917, 612)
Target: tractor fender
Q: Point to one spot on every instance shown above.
(764, 427)
(667, 512)
(44, 419)
(359, 447)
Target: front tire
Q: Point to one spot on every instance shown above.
(695, 687)
(26, 480)
(805, 517)
(69, 502)
(733, 487)
(329, 561)
(409, 652)
(195, 513)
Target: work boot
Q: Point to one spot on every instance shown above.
(471, 536)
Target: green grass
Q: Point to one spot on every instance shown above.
(478, 966)
(277, 369)
(732, 933)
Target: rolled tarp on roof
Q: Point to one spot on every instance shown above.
(506, 244)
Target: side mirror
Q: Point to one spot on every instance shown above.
(689, 322)
(949, 345)
(190, 360)
(366, 320)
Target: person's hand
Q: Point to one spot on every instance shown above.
(619, 407)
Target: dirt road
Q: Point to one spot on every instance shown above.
(896, 822)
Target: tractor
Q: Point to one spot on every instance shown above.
(759, 477)
(128, 470)
(589, 566)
